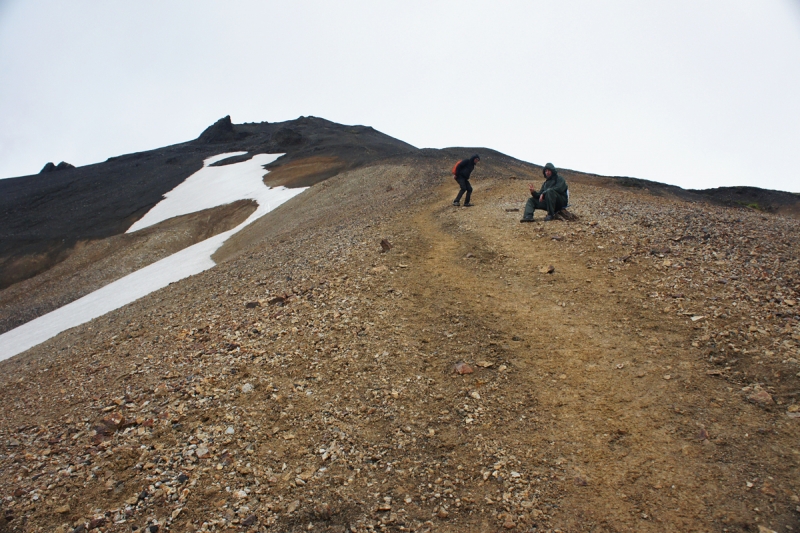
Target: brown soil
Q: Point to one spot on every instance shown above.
(647, 382)
(304, 172)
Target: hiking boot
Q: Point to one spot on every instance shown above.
(456, 204)
(526, 219)
(468, 205)
(548, 218)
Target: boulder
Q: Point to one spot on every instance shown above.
(221, 131)
(50, 167)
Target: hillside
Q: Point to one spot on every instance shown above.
(62, 233)
(647, 382)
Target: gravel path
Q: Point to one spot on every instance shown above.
(456, 382)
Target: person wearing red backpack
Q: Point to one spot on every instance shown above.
(461, 173)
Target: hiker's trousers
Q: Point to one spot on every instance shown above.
(553, 202)
(465, 187)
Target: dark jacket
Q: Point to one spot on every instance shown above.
(555, 183)
(466, 166)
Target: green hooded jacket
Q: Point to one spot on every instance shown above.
(555, 183)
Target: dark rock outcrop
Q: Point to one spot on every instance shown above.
(287, 137)
(50, 167)
(221, 131)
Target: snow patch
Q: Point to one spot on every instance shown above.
(206, 188)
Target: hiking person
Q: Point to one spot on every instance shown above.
(552, 197)
(461, 171)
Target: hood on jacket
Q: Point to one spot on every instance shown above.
(474, 157)
(552, 169)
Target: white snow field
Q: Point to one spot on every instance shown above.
(208, 187)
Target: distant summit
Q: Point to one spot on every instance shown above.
(50, 167)
(219, 132)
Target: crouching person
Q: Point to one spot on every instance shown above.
(552, 197)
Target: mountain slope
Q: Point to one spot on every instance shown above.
(65, 219)
(307, 382)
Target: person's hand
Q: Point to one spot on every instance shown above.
(541, 197)
(532, 188)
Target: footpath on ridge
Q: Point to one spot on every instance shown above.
(634, 370)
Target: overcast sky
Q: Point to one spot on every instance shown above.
(694, 93)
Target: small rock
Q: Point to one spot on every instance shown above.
(760, 397)
(241, 494)
(463, 368)
(324, 511)
(201, 452)
(230, 431)
(64, 509)
(250, 520)
(581, 482)
(293, 507)
(762, 529)
(386, 245)
(110, 423)
(278, 300)
(97, 522)
(161, 391)
(509, 524)
(247, 388)
(251, 305)
(702, 434)
(667, 376)
(547, 269)
(183, 478)
(475, 395)
(442, 513)
(385, 507)
(485, 364)
(80, 528)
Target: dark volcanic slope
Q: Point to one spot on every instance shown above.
(43, 216)
(768, 201)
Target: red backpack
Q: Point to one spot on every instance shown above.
(453, 171)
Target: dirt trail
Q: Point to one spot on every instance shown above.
(307, 383)
(607, 398)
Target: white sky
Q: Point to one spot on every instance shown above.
(695, 93)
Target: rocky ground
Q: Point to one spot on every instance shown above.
(634, 370)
